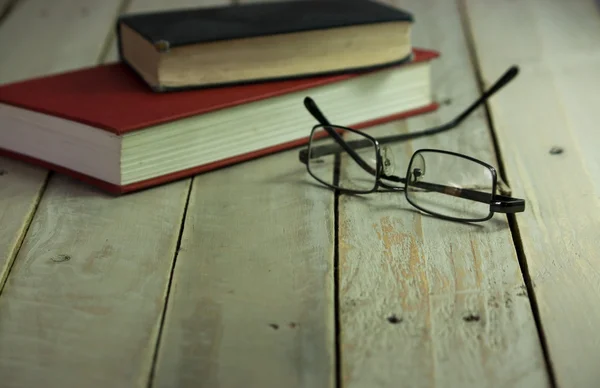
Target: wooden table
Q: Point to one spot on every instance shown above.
(249, 277)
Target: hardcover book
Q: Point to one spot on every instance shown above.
(104, 126)
(252, 42)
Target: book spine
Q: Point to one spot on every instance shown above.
(161, 46)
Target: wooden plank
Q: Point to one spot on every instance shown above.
(252, 300)
(426, 302)
(554, 103)
(37, 26)
(57, 23)
(84, 300)
(252, 297)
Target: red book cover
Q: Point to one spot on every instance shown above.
(110, 97)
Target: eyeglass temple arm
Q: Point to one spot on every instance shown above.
(356, 144)
(500, 83)
(314, 110)
(505, 204)
(499, 204)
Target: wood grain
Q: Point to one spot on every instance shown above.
(30, 34)
(43, 30)
(84, 301)
(426, 302)
(252, 297)
(554, 103)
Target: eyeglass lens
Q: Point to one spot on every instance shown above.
(324, 152)
(437, 182)
(449, 185)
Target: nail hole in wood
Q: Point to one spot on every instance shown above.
(292, 325)
(60, 258)
(274, 326)
(393, 319)
(471, 318)
(556, 150)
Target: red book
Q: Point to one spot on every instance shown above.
(104, 126)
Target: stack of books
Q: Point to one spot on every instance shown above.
(199, 89)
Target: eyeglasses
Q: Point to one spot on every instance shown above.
(445, 184)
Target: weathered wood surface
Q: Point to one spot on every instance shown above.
(20, 184)
(554, 104)
(251, 300)
(250, 297)
(426, 302)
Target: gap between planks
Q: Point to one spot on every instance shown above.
(107, 50)
(6, 6)
(169, 284)
(297, 357)
(556, 45)
(336, 282)
(421, 273)
(514, 228)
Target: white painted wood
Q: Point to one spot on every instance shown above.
(83, 302)
(554, 103)
(41, 38)
(251, 302)
(426, 302)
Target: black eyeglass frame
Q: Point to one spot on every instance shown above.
(498, 203)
